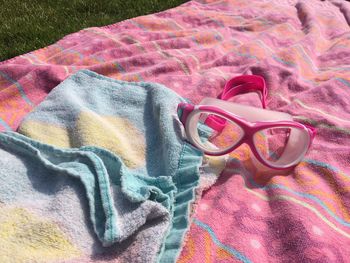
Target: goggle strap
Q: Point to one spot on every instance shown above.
(245, 84)
(236, 86)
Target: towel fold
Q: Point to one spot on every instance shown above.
(107, 165)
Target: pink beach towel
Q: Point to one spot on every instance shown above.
(301, 48)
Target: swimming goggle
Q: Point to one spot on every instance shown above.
(218, 127)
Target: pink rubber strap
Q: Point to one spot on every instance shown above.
(236, 86)
(245, 84)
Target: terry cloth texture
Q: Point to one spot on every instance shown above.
(130, 172)
(300, 47)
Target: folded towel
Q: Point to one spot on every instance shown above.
(111, 174)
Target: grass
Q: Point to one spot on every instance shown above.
(27, 25)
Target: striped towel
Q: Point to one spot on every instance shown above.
(302, 50)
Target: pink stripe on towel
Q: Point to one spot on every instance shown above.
(302, 50)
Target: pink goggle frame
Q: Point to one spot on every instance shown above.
(217, 114)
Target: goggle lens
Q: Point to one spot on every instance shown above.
(209, 139)
(281, 146)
